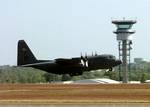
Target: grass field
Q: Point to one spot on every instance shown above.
(74, 93)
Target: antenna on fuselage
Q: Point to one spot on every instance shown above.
(92, 53)
(95, 53)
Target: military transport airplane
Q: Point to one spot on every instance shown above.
(73, 66)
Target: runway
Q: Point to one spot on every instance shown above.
(79, 105)
(75, 95)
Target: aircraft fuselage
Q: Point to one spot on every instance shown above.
(71, 66)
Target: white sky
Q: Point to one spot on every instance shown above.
(65, 28)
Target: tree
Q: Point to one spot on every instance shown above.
(49, 77)
(66, 77)
(112, 75)
(143, 78)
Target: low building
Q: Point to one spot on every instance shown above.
(134, 82)
(138, 60)
(97, 81)
(147, 81)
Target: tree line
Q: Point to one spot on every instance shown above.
(10, 74)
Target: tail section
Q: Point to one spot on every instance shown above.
(25, 56)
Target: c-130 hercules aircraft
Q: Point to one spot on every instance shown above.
(73, 66)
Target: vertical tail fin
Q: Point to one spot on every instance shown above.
(25, 56)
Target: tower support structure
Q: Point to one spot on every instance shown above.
(124, 39)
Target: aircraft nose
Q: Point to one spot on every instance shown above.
(119, 62)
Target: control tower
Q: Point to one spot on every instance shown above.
(124, 39)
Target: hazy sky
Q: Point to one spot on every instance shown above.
(65, 28)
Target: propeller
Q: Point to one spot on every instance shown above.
(84, 60)
(95, 53)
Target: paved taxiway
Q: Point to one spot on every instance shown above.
(79, 105)
(74, 95)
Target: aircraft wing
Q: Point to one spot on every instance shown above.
(72, 61)
(59, 61)
(39, 64)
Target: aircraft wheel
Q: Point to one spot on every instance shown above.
(110, 69)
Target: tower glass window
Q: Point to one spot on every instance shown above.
(124, 26)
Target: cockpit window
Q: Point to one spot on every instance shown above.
(105, 56)
(112, 57)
